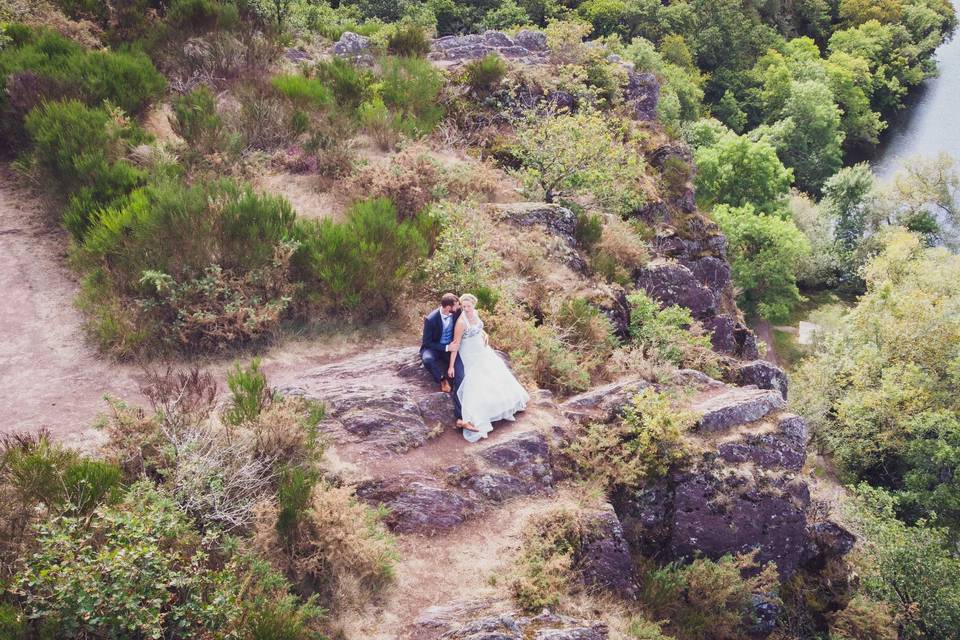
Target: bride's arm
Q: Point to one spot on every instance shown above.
(455, 346)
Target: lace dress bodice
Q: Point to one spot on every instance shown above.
(472, 330)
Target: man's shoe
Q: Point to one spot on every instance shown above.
(445, 386)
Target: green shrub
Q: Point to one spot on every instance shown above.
(663, 334)
(83, 148)
(587, 330)
(293, 495)
(485, 73)
(642, 445)
(545, 567)
(304, 91)
(202, 15)
(589, 229)
(136, 569)
(196, 119)
(410, 88)
(408, 39)
(379, 123)
(249, 393)
(347, 266)
(350, 84)
(13, 623)
(707, 599)
(338, 548)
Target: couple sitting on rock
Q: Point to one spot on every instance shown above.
(456, 352)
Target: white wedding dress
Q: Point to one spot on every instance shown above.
(489, 392)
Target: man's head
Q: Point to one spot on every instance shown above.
(449, 303)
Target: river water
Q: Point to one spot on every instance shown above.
(931, 121)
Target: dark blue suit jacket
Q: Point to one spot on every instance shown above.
(433, 331)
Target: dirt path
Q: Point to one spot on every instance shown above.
(49, 375)
(762, 328)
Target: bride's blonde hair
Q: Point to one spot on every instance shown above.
(468, 297)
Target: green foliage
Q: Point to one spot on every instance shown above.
(195, 118)
(249, 393)
(83, 149)
(202, 15)
(13, 624)
(881, 390)
(485, 73)
(349, 83)
(408, 39)
(60, 479)
(409, 88)
(765, 254)
(347, 267)
(738, 172)
(707, 599)
(135, 569)
(589, 229)
(641, 446)
(304, 91)
(911, 568)
(545, 566)
(293, 495)
(463, 259)
(663, 335)
(562, 154)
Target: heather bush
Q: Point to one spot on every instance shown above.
(202, 15)
(411, 182)
(336, 548)
(463, 258)
(346, 266)
(620, 252)
(264, 119)
(380, 123)
(589, 229)
(863, 619)
(707, 599)
(588, 332)
(249, 393)
(82, 149)
(408, 39)
(641, 446)
(545, 567)
(484, 74)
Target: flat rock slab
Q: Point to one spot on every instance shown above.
(735, 407)
(383, 399)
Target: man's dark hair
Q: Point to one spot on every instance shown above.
(448, 300)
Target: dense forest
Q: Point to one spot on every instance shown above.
(625, 186)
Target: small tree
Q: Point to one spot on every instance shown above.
(565, 153)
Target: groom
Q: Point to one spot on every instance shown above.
(435, 350)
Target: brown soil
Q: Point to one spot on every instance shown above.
(49, 375)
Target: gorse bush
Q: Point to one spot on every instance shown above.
(349, 83)
(545, 567)
(485, 73)
(83, 149)
(408, 39)
(304, 91)
(663, 335)
(44, 66)
(196, 119)
(410, 88)
(642, 445)
(346, 267)
(707, 599)
(249, 393)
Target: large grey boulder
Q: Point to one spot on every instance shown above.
(785, 448)
(762, 374)
(604, 559)
(602, 404)
(353, 47)
(642, 93)
(672, 283)
(736, 406)
(497, 620)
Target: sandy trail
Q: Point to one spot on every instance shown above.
(50, 376)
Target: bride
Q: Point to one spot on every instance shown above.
(488, 392)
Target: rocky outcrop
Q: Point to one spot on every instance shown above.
(736, 406)
(785, 448)
(672, 283)
(604, 560)
(602, 404)
(418, 504)
(642, 94)
(556, 220)
(463, 621)
(383, 399)
(354, 47)
(526, 46)
(762, 374)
